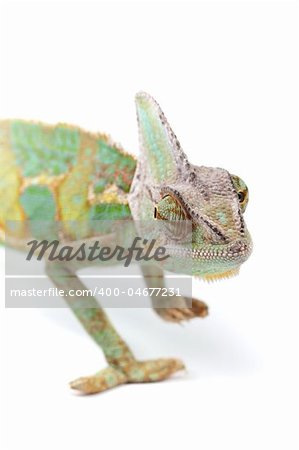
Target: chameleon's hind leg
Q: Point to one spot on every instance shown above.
(172, 309)
(123, 367)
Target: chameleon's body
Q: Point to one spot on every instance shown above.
(62, 173)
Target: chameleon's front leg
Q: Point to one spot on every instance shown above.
(182, 309)
(123, 367)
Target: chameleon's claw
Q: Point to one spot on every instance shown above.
(199, 308)
(176, 315)
(135, 372)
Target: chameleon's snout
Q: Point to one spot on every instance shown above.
(240, 249)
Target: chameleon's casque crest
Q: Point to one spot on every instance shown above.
(159, 146)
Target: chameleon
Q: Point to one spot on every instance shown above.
(63, 173)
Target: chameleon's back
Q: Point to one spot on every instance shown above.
(59, 173)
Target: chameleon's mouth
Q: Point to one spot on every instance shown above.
(213, 262)
(237, 251)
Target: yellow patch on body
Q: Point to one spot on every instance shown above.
(73, 203)
(10, 183)
(111, 194)
(52, 181)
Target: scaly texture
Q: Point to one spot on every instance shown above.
(59, 172)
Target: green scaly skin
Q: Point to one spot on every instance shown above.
(64, 173)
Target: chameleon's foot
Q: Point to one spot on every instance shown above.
(136, 372)
(179, 314)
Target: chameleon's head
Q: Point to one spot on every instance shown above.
(168, 188)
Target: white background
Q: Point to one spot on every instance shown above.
(226, 76)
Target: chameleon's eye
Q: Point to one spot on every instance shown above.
(169, 209)
(241, 196)
(173, 216)
(242, 191)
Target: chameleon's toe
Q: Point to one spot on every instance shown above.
(101, 381)
(176, 315)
